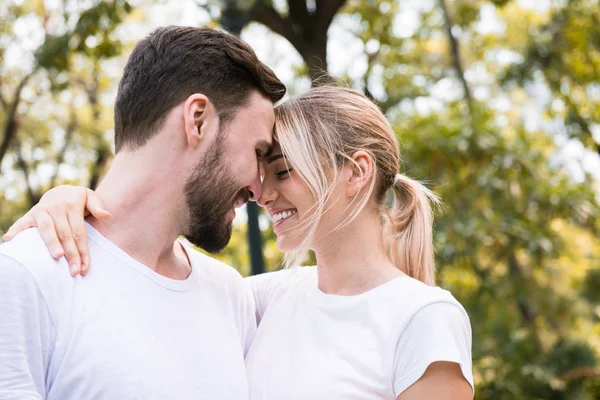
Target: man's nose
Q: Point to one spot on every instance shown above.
(255, 189)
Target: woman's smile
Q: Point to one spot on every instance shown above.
(279, 217)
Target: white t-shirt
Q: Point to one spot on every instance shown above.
(311, 345)
(121, 332)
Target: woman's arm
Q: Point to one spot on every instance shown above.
(60, 218)
(442, 380)
(433, 355)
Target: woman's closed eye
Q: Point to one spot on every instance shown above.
(283, 173)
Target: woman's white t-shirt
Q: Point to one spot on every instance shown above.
(311, 345)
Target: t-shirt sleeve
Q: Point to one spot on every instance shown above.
(437, 332)
(263, 286)
(27, 333)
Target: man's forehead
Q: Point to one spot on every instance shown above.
(256, 119)
(259, 103)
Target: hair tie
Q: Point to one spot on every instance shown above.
(397, 178)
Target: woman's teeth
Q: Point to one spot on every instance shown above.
(282, 215)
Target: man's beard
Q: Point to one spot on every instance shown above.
(211, 192)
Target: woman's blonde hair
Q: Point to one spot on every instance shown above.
(318, 132)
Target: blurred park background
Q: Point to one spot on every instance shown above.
(496, 104)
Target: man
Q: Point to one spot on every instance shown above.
(153, 319)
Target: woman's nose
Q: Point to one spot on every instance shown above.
(268, 193)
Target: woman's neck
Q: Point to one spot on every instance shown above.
(353, 259)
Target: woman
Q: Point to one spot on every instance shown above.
(366, 322)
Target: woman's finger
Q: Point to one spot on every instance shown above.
(47, 230)
(26, 221)
(65, 236)
(95, 207)
(79, 232)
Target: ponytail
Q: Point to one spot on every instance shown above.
(409, 230)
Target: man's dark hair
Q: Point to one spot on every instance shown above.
(175, 62)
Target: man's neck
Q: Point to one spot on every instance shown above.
(146, 215)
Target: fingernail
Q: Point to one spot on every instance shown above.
(74, 268)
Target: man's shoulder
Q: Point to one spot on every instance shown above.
(223, 280)
(213, 268)
(29, 251)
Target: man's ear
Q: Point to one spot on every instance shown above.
(359, 172)
(196, 111)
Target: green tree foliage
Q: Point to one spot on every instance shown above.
(53, 125)
(564, 49)
(502, 242)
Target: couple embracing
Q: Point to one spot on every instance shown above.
(115, 306)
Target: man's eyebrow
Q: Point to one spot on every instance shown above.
(274, 157)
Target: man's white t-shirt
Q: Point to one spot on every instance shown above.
(122, 331)
(311, 345)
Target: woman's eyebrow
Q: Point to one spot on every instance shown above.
(274, 157)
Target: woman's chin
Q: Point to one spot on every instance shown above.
(285, 244)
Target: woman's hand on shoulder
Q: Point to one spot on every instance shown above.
(59, 216)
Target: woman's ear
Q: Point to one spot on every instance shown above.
(196, 110)
(359, 173)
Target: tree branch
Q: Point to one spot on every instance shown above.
(102, 154)
(483, 275)
(267, 16)
(455, 52)
(60, 158)
(2, 101)
(371, 58)
(10, 127)
(580, 120)
(102, 150)
(582, 372)
(34, 198)
(514, 268)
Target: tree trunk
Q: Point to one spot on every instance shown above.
(305, 30)
(316, 61)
